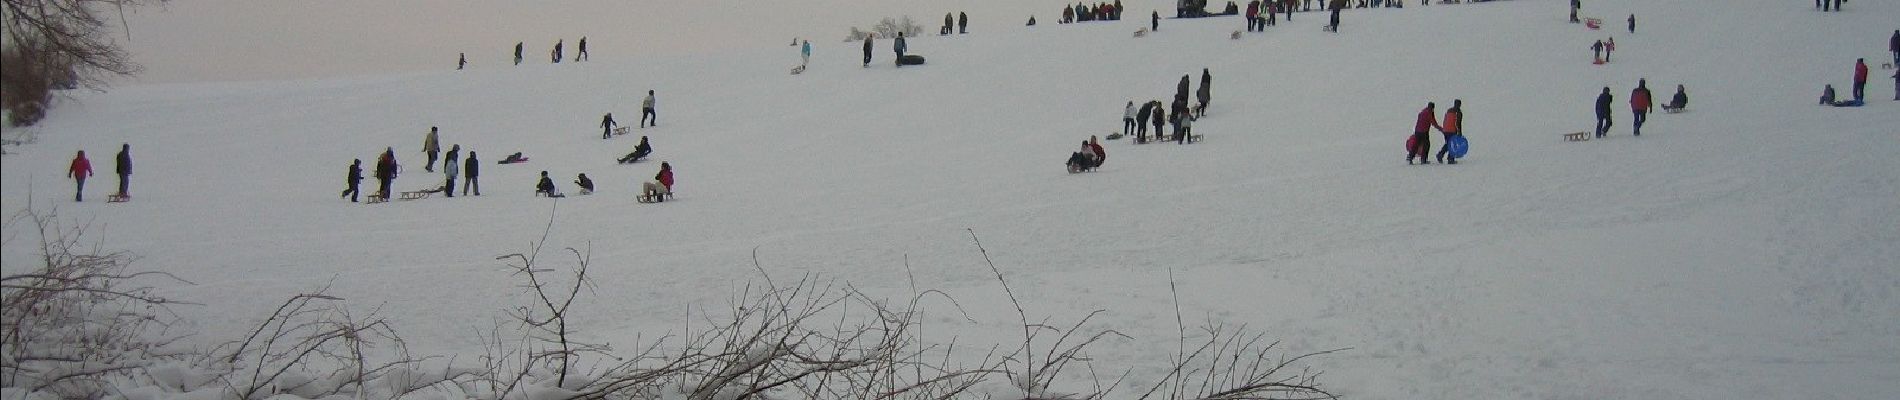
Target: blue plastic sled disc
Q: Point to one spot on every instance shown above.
(1458, 146)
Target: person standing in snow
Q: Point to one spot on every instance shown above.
(124, 168)
(1159, 116)
(79, 170)
(1632, 23)
(804, 54)
(1181, 90)
(451, 166)
(963, 23)
(1860, 79)
(646, 111)
(471, 169)
(1574, 5)
(1186, 131)
(948, 21)
(431, 147)
(517, 53)
(1893, 46)
(385, 172)
(352, 180)
(557, 50)
(899, 48)
(461, 61)
(1639, 106)
(1141, 121)
(1128, 119)
(1336, 6)
(1453, 127)
(868, 38)
(582, 54)
(1422, 143)
(1154, 21)
(607, 126)
(1603, 112)
(1205, 94)
(1596, 50)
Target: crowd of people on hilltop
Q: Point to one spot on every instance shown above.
(1083, 12)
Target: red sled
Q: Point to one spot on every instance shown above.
(1411, 144)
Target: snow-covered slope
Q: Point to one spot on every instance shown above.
(1745, 249)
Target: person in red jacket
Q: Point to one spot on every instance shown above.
(1860, 79)
(662, 183)
(1639, 105)
(79, 171)
(1422, 144)
(1095, 146)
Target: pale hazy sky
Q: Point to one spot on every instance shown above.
(223, 40)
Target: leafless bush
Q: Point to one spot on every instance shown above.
(887, 28)
(57, 44)
(80, 318)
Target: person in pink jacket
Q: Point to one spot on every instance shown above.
(79, 171)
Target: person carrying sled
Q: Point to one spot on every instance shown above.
(587, 185)
(1639, 106)
(545, 187)
(607, 126)
(430, 146)
(79, 170)
(639, 151)
(471, 169)
(1427, 119)
(352, 180)
(1603, 112)
(661, 185)
(1453, 127)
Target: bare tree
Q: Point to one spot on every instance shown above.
(48, 44)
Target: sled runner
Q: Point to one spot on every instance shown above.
(1577, 136)
(653, 198)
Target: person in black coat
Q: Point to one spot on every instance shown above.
(124, 168)
(1141, 121)
(899, 48)
(1603, 112)
(867, 48)
(471, 169)
(545, 186)
(1159, 116)
(1154, 22)
(1205, 94)
(639, 151)
(355, 176)
(607, 126)
(587, 185)
(963, 23)
(517, 53)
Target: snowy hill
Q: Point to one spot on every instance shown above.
(1745, 249)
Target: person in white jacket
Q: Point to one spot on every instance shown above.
(646, 111)
(1128, 119)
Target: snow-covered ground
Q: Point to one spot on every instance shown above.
(1749, 248)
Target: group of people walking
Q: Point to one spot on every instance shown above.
(1452, 127)
(554, 55)
(81, 168)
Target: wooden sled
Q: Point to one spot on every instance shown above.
(1674, 110)
(1141, 32)
(1577, 136)
(416, 195)
(653, 198)
(377, 198)
(798, 70)
(1235, 36)
(620, 131)
(118, 198)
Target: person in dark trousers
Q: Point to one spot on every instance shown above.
(1639, 106)
(1680, 100)
(80, 169)
(1632, 23)
(471, 169)
(646, 111)
(1597, 52)
(1453, 126)
(545, 186)
(639, 151)
(385, 172)
(124, 168)
(1896, 85)
(898, 48)
(1154, 21)
(1159, 116)
(1574, 5)
(1205, 94)
(582, 54)
(1837, 5)
(1128, 119)
(963, 23)
(557, 50)
(354, 178)
(431, 146)
(1422, 143)
(1860, 79)
(1603, 112)
(1336, 6)
(1141, 121)
(1181, 89)
(867, 48)
(607, 126)
(948, 21)
(1185, 130)
(451, 167)
(1289, 10)
(517, 53)
(461, 61)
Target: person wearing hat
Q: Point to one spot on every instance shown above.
(661, 184)
(546, 186)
